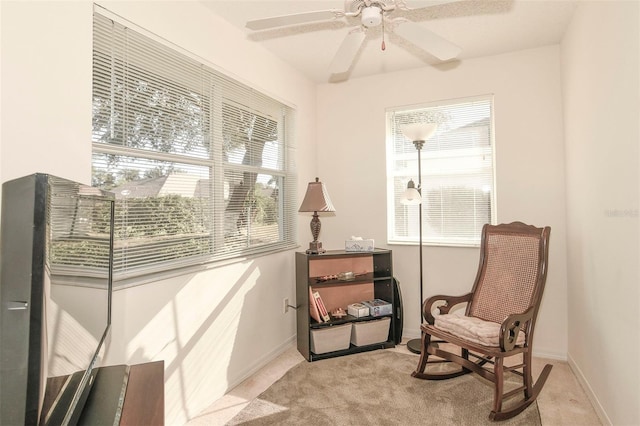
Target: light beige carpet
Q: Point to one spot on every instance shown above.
(374, 388)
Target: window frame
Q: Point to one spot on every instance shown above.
(409, 214)
(245, 99)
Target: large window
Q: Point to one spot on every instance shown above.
(200, 164)
(457, 172)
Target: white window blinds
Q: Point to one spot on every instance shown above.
(457, 172)
(200, 164)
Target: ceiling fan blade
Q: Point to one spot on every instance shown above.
(294, 19)
(347, 52)
(423, 4)
(427, 40)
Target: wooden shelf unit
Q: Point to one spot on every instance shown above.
(373, 280)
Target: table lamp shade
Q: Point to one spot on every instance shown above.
(316, 199)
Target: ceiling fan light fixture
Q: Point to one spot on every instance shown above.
(372, 13)
(371, 16)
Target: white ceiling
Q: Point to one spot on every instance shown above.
(480, 28)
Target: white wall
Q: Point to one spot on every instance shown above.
(529, 170)
(601, 74)
(211, 328)
(46, 89)
(208, 326)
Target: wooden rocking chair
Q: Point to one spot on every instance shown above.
(500, 316)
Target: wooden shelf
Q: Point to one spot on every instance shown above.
(347, 319)
(373, 280)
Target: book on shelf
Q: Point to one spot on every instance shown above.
(313, 307)
(322, 309)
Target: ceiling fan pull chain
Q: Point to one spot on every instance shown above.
(384, 46)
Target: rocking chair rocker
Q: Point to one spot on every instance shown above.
(500, 316)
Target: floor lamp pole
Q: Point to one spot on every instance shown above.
(415, 345)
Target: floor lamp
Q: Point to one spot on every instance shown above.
(418, 133)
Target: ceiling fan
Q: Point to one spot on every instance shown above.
(372, 13)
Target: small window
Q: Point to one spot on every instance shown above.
(457, 172)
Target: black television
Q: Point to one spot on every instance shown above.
(56, 271)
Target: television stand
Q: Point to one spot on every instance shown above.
(121, 395)
(126, 395)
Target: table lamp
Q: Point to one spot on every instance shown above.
(316, 200)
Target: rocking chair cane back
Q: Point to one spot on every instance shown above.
(500, 316)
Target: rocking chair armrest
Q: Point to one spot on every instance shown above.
(449, 302)
(511, 328)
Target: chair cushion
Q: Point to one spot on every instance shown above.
(472, 329)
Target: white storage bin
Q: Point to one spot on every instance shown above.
(370, 332)
(329, 339)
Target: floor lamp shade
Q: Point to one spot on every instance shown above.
(411, 196)
(419, 131)
(316, 200)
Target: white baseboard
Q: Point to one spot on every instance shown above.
(260, 362)
(590, 394)
(550, 355)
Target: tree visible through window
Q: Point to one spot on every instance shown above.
(199, 163)
(457, 172)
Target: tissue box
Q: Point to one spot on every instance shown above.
(358, 245)
(358, 310)
(378, 307)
